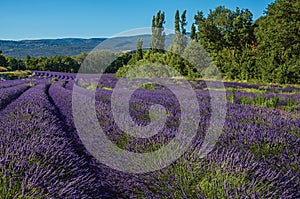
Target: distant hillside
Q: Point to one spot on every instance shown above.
(48, 47)
(71, 46)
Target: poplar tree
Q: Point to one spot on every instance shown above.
(139, 49)
(177, 21)
(158, 34)
(183, 22)
(193, 35)
(180, 39)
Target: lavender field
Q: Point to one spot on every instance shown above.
(42, 156)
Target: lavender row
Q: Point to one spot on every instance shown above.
(10, 83)
(45, 164)
(125, 183)
(108, 80)
(257, 148)
(10, 93)
(53, 75)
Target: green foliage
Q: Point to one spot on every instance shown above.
(159, 64)
(267, 150)
(146, 70)
(139, 50)
(193, 35)
(278, 30)
(17, 74)
(15, 64)
(278, 39)
(80, 58)
(177, 21)
(213, 181)
(180, 39)
(260, 100)
(54, 79)
(183, 22)
(3, 61)
(11, 187)
(99, 61)
(291, 104)
(91, 87)
(123, 141)
(232, 95)
(228, 36)
(3, 69)
(267, 50)
(119, 62)
(149, 86)
(158, 34)
(191, 179)
(199, 61)
(54, 63)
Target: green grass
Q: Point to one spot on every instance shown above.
(3, 69)
(91, 87)
(266, 150)
(11, 187)
(94, 87)
(105, 87)
(149, 86)
(229, 89)
(260, 100)
(17, 74)
(191, 179)
(54, 79)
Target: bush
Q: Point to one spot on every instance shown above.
(146, 70)
(3, 69)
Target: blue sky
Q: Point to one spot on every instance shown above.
(36, 19)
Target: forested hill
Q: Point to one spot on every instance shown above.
(48, 47)
(70, 46)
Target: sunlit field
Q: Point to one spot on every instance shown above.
(41, 155)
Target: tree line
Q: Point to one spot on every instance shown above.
(265, 50)
(53, 63)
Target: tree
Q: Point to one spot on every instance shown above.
(177, 21)
(27, 61)
(229, 38)
(215, 29)
(3, 61)
(158, 34)
(198, 58)
(183, 22)
(242, 32)
(139, 49)
(180, 39)
(15, 64)
(193, 35)
(122, 60)
(278, 40)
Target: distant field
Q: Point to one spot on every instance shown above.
(41, 155)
